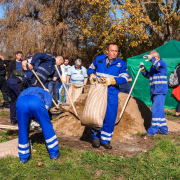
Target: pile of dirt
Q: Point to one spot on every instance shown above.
(136, 118)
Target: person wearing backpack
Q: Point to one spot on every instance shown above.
(159, 88)
(16, 83)
(174, 82)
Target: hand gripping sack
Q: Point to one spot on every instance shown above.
(75, 90)
(173, 79)
(95, 108)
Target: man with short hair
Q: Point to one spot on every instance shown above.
(44, 64)
(159, 88)
(16, 64)
(64, 68)
(3, 84)
(114, 70)
(77, 74)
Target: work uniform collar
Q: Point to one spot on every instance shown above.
(78, 69)
(109, 60)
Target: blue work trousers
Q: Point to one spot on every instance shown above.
(124, 90)
(106, 132)
(14, 92)
(29, 107)
(53, 86)
(61, 87)
(158, 122)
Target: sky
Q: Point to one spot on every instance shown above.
(1, 12)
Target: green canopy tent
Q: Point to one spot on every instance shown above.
(170, 53)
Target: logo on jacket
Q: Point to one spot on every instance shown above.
(81, 72)
(118, 65)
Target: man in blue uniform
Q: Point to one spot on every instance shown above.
(34, 102)
(159, 88)
(45, 67)
(114, 69)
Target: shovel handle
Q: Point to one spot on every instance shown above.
(44, 87)
(66, 91)
(119, 118)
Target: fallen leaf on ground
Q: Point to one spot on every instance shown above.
(144, 150)
(155, 135)
(40, 163)
(0, 137)
(175, 127)
(10, 137)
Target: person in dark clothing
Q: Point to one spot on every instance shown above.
(126, 87)
(16, 85)
(16, 64)
(178, 105)
(3, 84)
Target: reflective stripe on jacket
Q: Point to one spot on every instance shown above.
(157, 77)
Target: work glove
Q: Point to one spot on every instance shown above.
(149, 58)
(93, 78)
(142, 67)
(110, 81)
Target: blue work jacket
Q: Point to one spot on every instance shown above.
(117, 70)
(45, 96)
(157, 77)
(45, 66)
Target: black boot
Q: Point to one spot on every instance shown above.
(6, 106)
(107, 146)
(96, 143)
(14, 122)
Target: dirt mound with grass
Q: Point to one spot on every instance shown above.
(136, 119)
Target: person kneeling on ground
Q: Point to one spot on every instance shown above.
(34, 102)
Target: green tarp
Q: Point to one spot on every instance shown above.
(170, 53)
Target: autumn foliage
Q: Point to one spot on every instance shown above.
(83, 28)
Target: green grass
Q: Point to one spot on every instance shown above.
(169, 113)
(160, 162)
(5, 137)
(1, 98)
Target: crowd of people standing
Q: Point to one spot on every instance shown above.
(26, 78)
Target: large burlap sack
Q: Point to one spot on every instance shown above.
(95, 107)
(75, 90)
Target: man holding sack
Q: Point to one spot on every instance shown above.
(112, 68)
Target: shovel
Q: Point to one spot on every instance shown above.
(44, 87)
(67, 92)
(119, 118)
